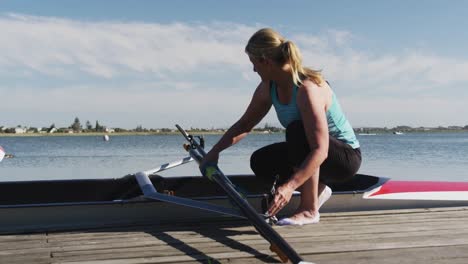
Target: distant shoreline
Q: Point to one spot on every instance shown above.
(97, 134)
(101, 134)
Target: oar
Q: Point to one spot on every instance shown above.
(150, 192)
(277, 243)
(168, 166)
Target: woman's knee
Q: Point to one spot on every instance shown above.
(270, 161)
(260, 168)
(295, 131)
(298, 145)
(255, 161)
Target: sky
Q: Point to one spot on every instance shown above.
(158, 63)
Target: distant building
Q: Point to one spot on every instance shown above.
(20, 130)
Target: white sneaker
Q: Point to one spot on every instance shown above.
(324, 196)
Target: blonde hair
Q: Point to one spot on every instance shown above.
(269, 44)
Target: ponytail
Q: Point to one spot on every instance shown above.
(299, 73)
(267, 43)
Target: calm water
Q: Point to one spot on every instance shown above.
(419, 156)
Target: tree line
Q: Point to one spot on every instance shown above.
(77, 127)
(88, 127)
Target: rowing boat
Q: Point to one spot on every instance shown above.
(33, 206)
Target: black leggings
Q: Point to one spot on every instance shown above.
(279, 159)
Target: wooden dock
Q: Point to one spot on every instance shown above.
(438, 235)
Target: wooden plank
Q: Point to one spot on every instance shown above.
(214, 258)
(290, 233)
(321, 244)
(214, 230)
(452, 255)
(26, 258)
(360, 242)
(229, 255)
(252, 240)
(447, 254)
(336, 217)
(393, 218)
(319, 230)
(426, 236)
(307, 231)
(22, 237)
(29, 245)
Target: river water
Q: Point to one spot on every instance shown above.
(413, 156)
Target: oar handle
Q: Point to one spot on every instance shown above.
(185, 134)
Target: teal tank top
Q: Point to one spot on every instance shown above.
(338, 125)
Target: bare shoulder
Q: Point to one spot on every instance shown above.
(311, 93)
(263, 91)
(264, 86)
(309, 86)
(309, 89)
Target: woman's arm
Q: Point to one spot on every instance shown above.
(259, 106)
(312, 101)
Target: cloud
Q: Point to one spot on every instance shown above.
(391, 74)
(57, 47)
(423, 110)
(146, 68)
(105, 49)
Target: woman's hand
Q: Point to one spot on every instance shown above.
(209, 159)
(282, 196)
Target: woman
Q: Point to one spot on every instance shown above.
(320, 143)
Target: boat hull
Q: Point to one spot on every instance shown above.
(69, 216)
(75, 204)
